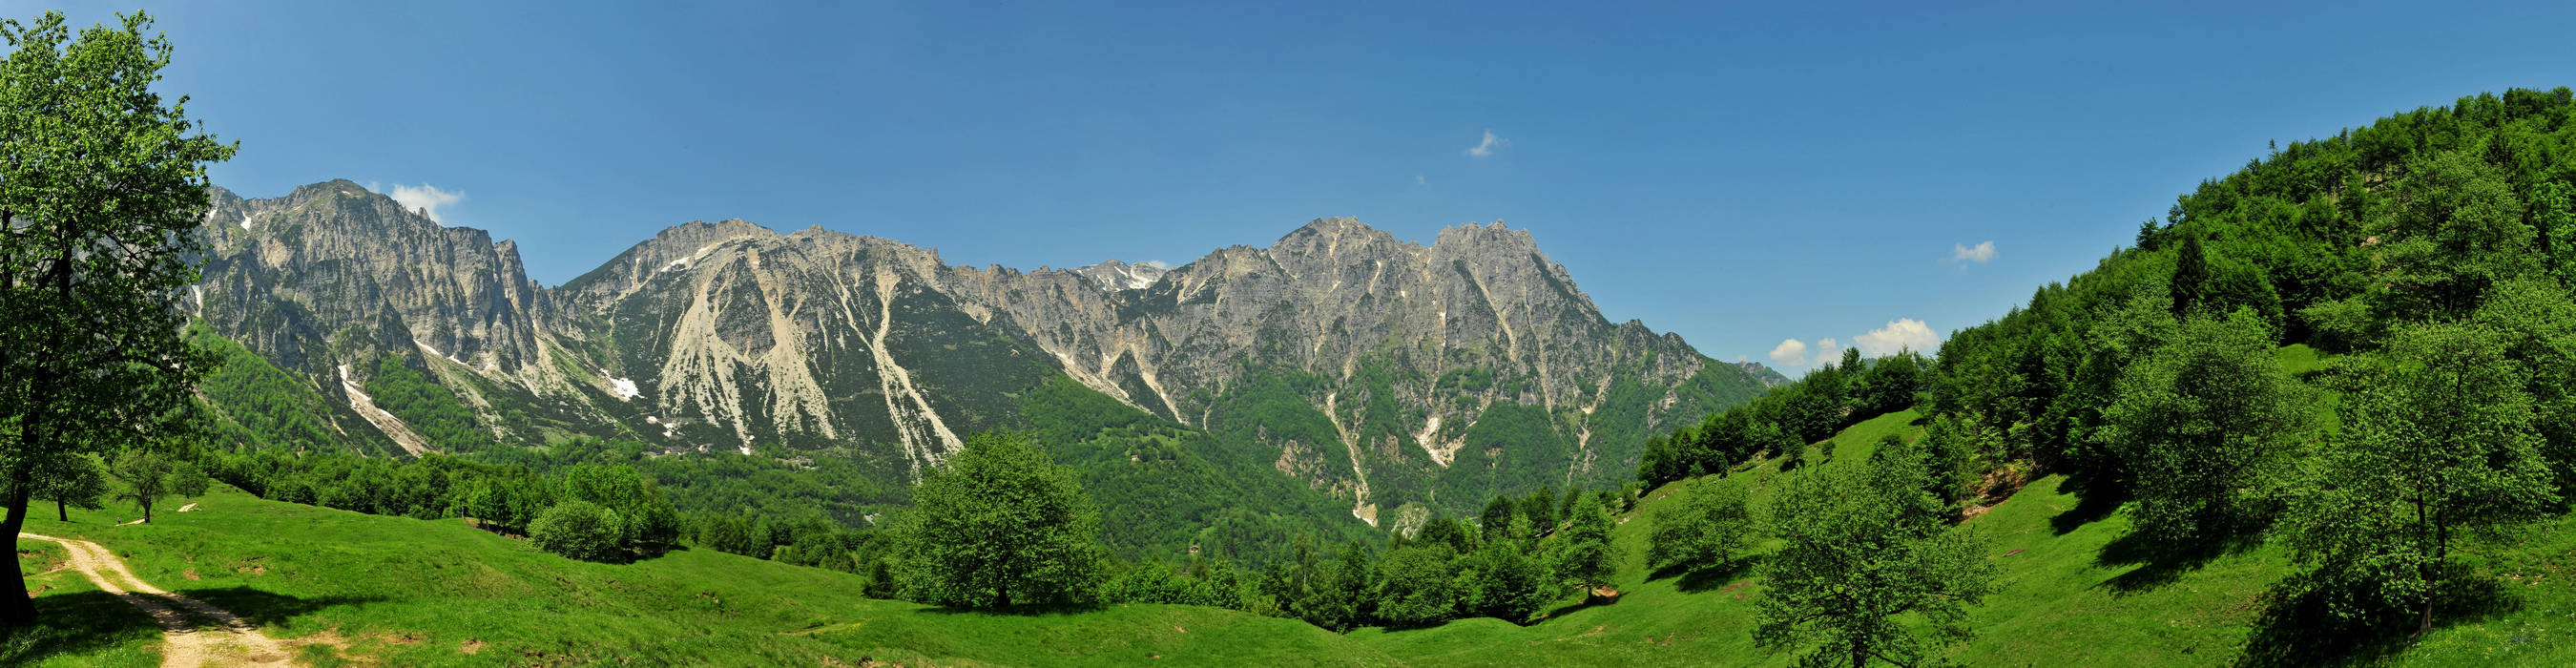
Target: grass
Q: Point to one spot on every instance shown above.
(387, 590)
(2074, 589)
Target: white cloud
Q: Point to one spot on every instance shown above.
(1486, 147)
(1791, 352)
(1417, 180)
(1899, 334)
(426, 198)
(1980, 254)
(1828, 351)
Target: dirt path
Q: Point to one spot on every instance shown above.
(230, 642)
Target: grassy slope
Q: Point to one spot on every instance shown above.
(2073, 592)
(409, 592)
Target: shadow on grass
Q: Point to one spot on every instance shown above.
(2095, 499)
(75, 623)
(266, 608)
(2161, 562)
(1019, 610)
(1696, 579)
(2298, 628)
(2088, 509)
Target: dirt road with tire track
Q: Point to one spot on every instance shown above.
(228, 641)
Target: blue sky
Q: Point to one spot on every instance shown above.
(1742, 176)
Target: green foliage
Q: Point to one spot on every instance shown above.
(77, 480)
(428, 407)
(1001, 526)
(1540, 509)
(145, 475)
(1866, 571)
(1581, 555)
(2440, 447)
(2204, 423)
(1705, 525)
(646, 521)
(1495, 523)
(2535, 321)
(1504, 582)
(581, 530)
(263, 404)
(1416, 586)
(187, 481)
(105, 186)
(1163, 487)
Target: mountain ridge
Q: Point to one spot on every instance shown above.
(1379, 370)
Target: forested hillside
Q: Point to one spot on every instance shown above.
(2428, 256)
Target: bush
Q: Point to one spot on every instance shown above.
(579, 530)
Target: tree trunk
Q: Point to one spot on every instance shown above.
(1860, 653)
(61, 514)
(17, 608)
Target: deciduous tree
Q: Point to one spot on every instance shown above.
(1001, 526)
(2202, 424)
(1865, 573)
(102, 187)
(2439, 447)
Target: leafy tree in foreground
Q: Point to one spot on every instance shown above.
(1705, 526)
(102, 188)
(1001, 526)
(2441, 447)
(1864, 555)
(1582, 554)
(2202, 423)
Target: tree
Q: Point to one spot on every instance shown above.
(2201, 424)
(75, 480)
(1703, 526)
(2442, 445)
(2553, 212)
(146, 476)
(1448, 531)
(1582, 555)
(2458, 231)
(580, 529)
(1851, 361)
(1002, 526)
(189, 482)
(2190, 277)
(1861, 557)
(1347, 595)
(102, 188)
(1496, 522)
(1416, 585)
(1507, 584)
(1540, 508)
(1888, 385)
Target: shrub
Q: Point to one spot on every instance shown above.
(579, 530)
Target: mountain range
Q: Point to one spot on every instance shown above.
(1392, 378)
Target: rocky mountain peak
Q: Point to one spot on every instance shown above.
(1115, 275)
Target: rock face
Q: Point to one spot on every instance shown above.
(1389, 373)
